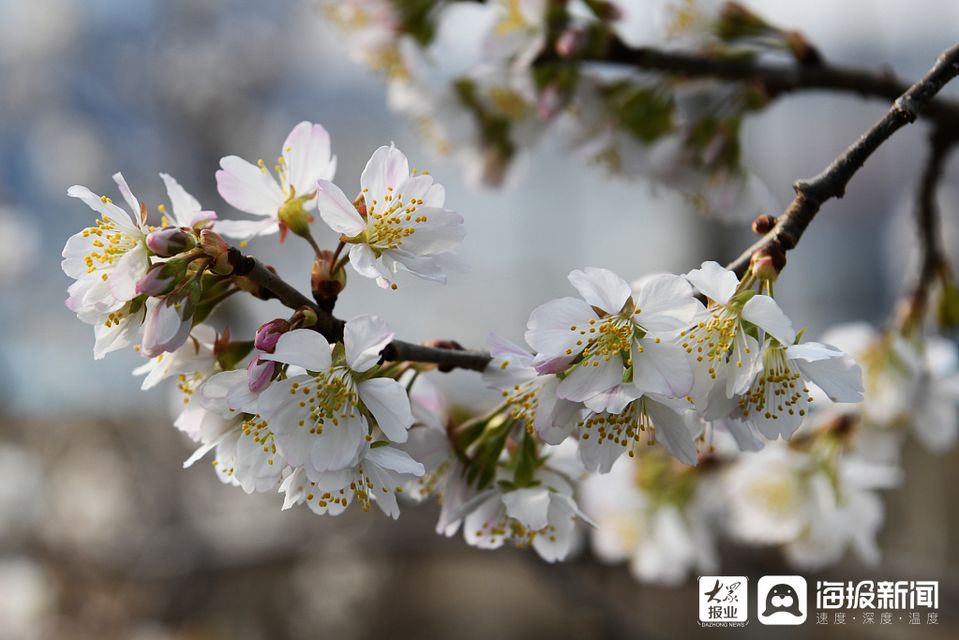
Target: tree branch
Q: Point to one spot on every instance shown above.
(780, 78)
(831, 183)
(927, 215)
(332, 327)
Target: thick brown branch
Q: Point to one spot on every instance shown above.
(332, 327)
(781, 78)
(831, 183)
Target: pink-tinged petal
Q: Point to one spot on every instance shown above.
(585, 380)
(601, 288)
(830, 369)
(127, 271)
(128, 196)
(164, 329)
(186, 208)
(665, 303)
(106, 209)
(248, 188)
(763, 312)
(544, 365)
(672, 432)
(395, 460)
(386, 170)
(387, 401)
(662, 368)
(306, 154)
(337, 211)
(714, 281)
(364, 338)
(246, 229)
(550, 329)
(302, 348)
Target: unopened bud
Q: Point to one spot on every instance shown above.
(259, 374)
(269, 333)
(162, 278)
(170, 241)
(569, 43)
(763, 224)
(326, 286)
(763, 268)
(303, 317)
(217, 248)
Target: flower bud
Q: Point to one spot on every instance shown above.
(170, 241)
(162, 278)
(269, 333)
(763, 224)
(259, 374)
(326, 286)
(217, 248)
(569, 43)
(166, 327)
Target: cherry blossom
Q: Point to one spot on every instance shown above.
(322, 419)
(281, 202)
(615, 339)
(401, 222)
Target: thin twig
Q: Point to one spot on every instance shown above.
(780, 78)
(831, 183)
(932, 257)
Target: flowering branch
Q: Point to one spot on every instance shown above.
(831, 183)
(778, 78)
(447, 358)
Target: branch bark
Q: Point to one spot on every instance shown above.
(780, 78)
(332, 327)
(831, 182)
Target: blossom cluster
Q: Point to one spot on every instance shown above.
(653, 416)
(487, 81)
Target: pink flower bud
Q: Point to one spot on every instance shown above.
(217, 248)
(269, 333)
(259, 374)
(170, 241)
(166, 327)
(162, 278)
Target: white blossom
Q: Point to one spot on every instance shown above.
(403, 222)
(305, 158)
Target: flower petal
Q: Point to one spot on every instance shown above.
(185, 206)
(661, 368)
(395, 460)
(303, 348)
(364, 338)
(672, 432)
(665, 303)
(386, 170)
(550, 331)
(387, 401)
(830, 369)
(763, 312)
(306, 155)
(714, 281)
(601, 288)
(248, 188)
(246, 229)
(529, 506)
(586, 380)
(337, 211)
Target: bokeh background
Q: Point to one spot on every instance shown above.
(103, 535)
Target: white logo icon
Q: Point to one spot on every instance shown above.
(722, 599)
(781, 600)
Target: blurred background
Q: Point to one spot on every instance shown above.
(104, 535)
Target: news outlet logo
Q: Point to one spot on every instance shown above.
(723, 601)
(781, 600)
